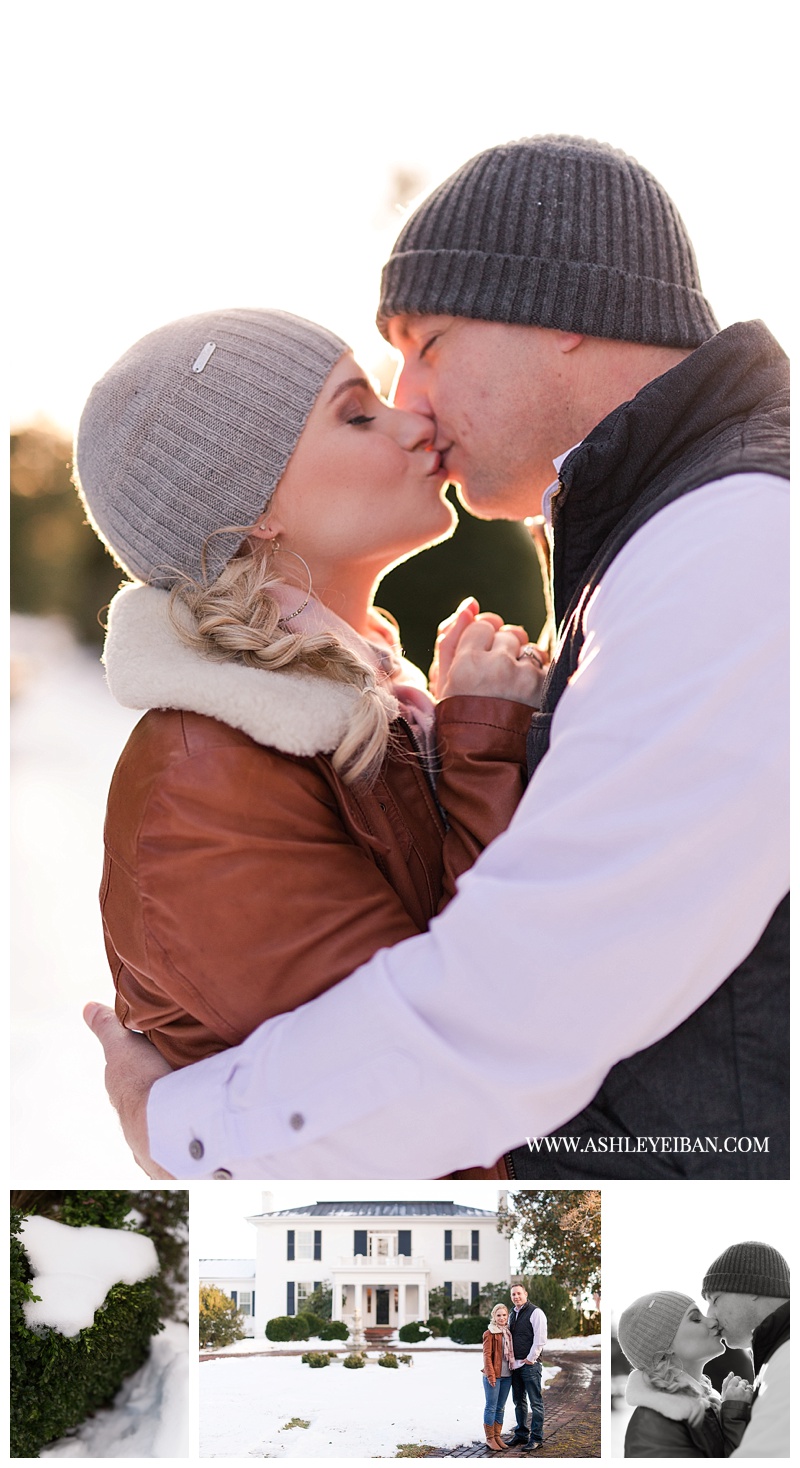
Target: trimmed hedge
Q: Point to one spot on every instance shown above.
(413, 1333)
(56, 1380)
(467, 1330)
(438, 1323)
(333, 1330)
(317, 1358)
(287, 1328)
(355, 1360)
(388, 1359)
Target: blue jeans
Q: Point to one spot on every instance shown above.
(526, 1386)
(496, 1398)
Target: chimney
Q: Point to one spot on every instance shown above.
(266, 1202)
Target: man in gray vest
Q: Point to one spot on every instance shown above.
(747, 1289)
(548, 309)
(528, 1326)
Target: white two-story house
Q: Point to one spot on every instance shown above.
(381, 1259)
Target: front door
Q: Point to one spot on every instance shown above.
(381, 1307)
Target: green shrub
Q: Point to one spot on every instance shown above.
(317, 1358)
(333, 1330)
(287, 1328)
(355, 1360)
(388, 1359)
(413, 1333)
(437, 1325)
(56, 1380)
(220, 1321)
(314, 1322)
(467, 1330)
(406, 1360)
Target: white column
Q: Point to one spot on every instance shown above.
(357, 1288)
(401, 1304)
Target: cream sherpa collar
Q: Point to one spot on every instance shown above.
(148, 666)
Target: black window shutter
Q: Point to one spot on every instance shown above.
(404, 1242)
(290, 1243)
(253, 1303)
(317, 1284)
(290, 1297)
(448, 1243)
(476, 1244)
(317, 1243)
(448, 1289)
(360, 1241)
(235, 1296)
(476, 1290)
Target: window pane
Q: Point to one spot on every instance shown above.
(460, 1289)
(246, 1302)
(305, 1244)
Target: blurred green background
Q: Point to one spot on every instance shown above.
(59, 567)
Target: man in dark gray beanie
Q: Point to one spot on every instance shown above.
(548, 308)
(747, 1289)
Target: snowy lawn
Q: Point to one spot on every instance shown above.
(245, 1406)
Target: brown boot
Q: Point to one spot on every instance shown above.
(498, 1438)
(488, 1428)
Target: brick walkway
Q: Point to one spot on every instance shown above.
(571, 1414)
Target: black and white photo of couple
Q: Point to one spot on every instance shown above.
(709, 1371)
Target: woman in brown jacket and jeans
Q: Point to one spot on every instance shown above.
(294, 799)
(498, 1362)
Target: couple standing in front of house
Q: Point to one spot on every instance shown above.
(512, 1352)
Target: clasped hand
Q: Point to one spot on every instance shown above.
(478, 653)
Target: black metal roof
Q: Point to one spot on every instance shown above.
(382, 1210)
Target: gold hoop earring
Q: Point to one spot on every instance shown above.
(276, 546)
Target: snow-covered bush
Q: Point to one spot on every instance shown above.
(388, 1359)
(355, 1361)
(413, 1333)
(317, 1358)
(221, 1322)
(74, 1339)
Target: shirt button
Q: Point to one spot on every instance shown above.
(196, 1149)
(222, 1173)
(296, 1121)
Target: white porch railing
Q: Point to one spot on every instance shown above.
(374, 1262)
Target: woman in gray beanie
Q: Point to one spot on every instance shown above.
(678, 1414)
(273, 819)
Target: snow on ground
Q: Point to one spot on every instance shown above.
(66, 736)
(150, 1415)
(245, 1406)
(259, 1345)
(74, 1269)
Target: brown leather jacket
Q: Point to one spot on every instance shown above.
(492, 1355)
(242, 879)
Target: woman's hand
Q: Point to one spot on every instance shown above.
(736, 1389)
(492, 660)
(447, 640)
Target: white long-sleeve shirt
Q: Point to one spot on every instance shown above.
(643, 863)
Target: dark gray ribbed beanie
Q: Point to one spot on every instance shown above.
(191, 430)
(750, 1268)
(552, 231)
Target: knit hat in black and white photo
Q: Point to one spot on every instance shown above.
(191, 430)
(750, 1268)
(552, 231)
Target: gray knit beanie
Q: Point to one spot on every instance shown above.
(647, 1328)
(191, 430)
(552, 231)
(748, 1269)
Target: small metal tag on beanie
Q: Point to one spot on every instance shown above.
(205, 356)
